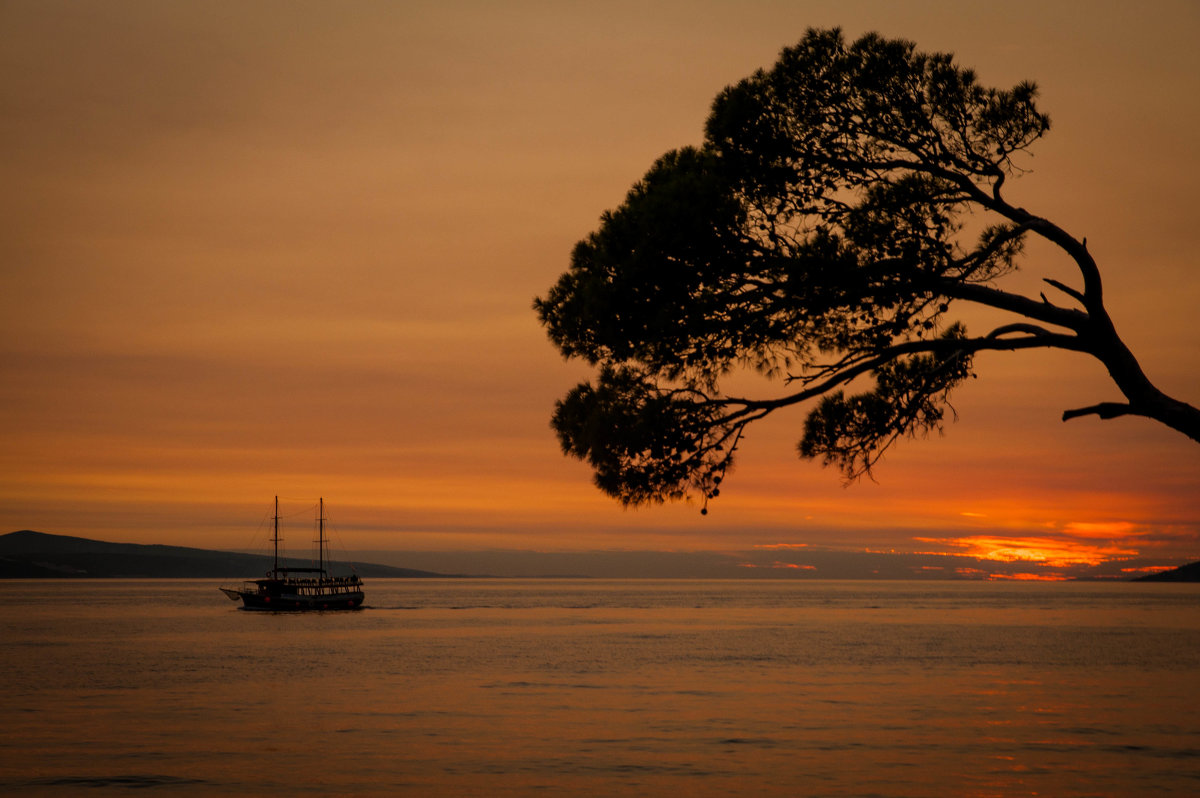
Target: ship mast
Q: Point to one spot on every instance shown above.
(275, 539)
(321, 534)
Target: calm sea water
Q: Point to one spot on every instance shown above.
(604, 688)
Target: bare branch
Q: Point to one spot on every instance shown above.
(1032, 329)
(1038, 339)
(1066, 289)
(1016, 303)
(1104, 410)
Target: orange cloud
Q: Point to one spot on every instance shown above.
(1103, 530)
(1049, 551)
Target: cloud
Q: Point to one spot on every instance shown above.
(1102, 530)
(1030, 577)
(1049, 551)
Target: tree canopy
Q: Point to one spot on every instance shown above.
(842, 205)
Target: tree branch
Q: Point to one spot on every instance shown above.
(1038, 339)
(1066, 289)
(1031, 329)
(1070, 318)
(1104, 410)
(1077, 250)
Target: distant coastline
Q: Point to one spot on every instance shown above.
(1184, 573)
(36, 555)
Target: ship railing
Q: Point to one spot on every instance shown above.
(327, 590)
(324, 580)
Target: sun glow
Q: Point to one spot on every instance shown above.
(1044, 550)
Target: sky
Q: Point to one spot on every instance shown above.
(289, 248)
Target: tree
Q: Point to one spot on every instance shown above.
(841, 204)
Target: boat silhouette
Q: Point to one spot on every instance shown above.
(287, 589)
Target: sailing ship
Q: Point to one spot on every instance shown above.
(286, 589)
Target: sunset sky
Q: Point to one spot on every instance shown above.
(261, 248)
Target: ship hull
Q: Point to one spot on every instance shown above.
(299, 595)
(283, 603)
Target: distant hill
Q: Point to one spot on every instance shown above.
(30, 555)
(1184, 573)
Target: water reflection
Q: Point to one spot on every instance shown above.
(607, 688)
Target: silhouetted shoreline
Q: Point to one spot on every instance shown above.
(37, 555)
(1184, 573)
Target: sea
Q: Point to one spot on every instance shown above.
(591, 687)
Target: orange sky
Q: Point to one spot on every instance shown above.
(289, 248)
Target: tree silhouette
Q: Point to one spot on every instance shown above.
(841, 204)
